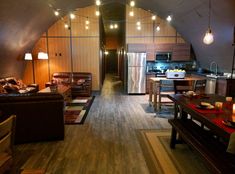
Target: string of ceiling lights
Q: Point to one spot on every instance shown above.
(208, 38)
(113, 24)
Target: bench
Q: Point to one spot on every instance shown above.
(212, 151)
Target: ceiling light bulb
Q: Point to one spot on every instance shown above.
(169, 18)
(154, 17)
(138, 27)
(138, 23)
(115, 25)
(132, 3)
(66, 26)
(72, 16)
(208, 38)
(97, 2)
(97, 12)
(131, 13)
(56, 13)
(87, 27)
(158, 28)
(87, 22)
(111, 26)
(106, 52)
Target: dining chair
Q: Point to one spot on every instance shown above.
(166, 87)
(7, 129)
(181, 86)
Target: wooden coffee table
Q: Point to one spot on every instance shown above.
(65, 91)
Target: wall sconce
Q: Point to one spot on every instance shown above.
(28, 56)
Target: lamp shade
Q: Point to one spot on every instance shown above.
(28, 56)
(42, 55)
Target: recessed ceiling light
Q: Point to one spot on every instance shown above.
(87, 22)
(87, 27)
(115, 25)
(111, 26)
(138, 23)
(138, 27)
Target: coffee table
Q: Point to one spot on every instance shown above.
(65, 91)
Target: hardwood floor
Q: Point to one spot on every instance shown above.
(105, 143)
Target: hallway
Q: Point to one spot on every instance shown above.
(105, 143)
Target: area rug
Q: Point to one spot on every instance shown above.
(76, 111)
(161, 159)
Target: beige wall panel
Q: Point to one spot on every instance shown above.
(162, 40)
(41, 72)
(139, 40)
(180, 40)
(59, 55)
(78, 24)
(58, 29)
(86, 58)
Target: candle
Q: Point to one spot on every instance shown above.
(218, 105)
(233, 108)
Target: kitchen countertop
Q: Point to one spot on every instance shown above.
(198, 73)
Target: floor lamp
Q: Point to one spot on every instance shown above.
(28, 56)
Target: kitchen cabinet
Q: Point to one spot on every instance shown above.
(164, 47)
(136, 48)
(181, 52)
(225, 87)
(148, 76)
(150, 51)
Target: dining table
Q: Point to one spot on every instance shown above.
(206, 130)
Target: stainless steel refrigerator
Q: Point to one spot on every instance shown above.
(136, 73)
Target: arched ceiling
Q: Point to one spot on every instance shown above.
(23, 22)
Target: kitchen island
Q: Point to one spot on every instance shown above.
(154, 88)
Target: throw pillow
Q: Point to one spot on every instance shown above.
(2, 90)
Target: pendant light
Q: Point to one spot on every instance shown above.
(209, 38)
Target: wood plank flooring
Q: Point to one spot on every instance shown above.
(105, 143)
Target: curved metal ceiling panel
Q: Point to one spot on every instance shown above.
(23, 23)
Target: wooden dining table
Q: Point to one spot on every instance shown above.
(154, 88)
(204, 129)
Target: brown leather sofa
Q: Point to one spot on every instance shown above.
(12, 85)
(39, 116)
(80, 82)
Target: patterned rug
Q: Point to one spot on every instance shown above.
(76, 111)
(161, 159)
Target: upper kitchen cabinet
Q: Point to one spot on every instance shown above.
(136, 48)
(181, 52)
(150, 51)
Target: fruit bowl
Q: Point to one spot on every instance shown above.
(175, 74)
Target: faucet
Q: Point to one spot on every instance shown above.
(216, 67)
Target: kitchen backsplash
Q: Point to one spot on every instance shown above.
(163, 66)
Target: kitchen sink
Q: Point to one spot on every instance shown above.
(215, 76)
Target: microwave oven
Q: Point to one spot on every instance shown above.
(163, 56)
